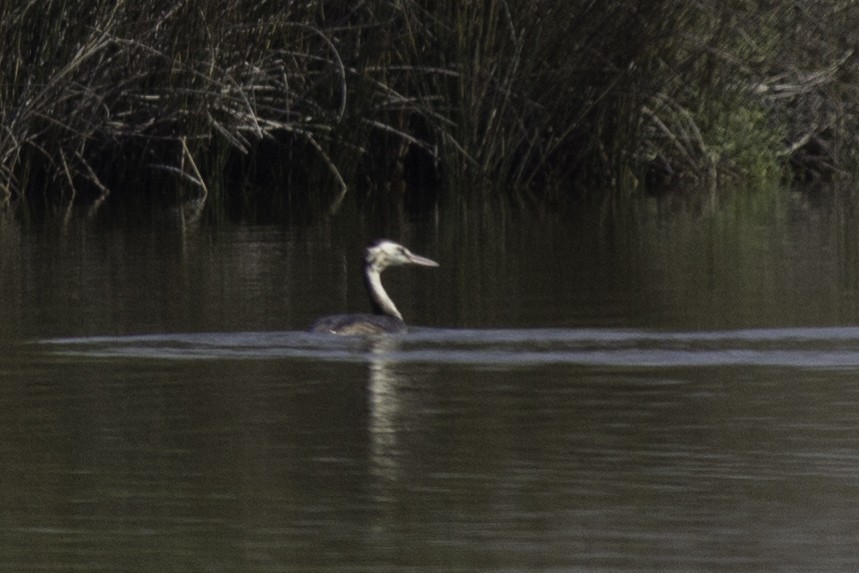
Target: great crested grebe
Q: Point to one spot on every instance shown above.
(385, 318)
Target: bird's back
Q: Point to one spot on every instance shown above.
(358, 324)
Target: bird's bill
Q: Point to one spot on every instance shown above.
(422, 261)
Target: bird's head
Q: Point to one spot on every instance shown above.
(383, 254)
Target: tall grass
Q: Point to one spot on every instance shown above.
(222, 98)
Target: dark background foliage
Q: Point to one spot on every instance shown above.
(299, 101)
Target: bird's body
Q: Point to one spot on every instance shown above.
(386, 318)
(358, 324)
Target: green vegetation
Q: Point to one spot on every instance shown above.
(242, 101)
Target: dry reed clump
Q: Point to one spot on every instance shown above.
(88, 81)
(760, 94)
(528, 94)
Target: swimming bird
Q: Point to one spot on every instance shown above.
(385, 318)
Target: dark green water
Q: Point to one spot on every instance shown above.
(672, 389)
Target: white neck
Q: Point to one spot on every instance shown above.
(382, 303)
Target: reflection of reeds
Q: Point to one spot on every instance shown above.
(516, 92)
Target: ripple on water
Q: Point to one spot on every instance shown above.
(817, 348)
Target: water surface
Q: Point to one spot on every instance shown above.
(660, 392)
